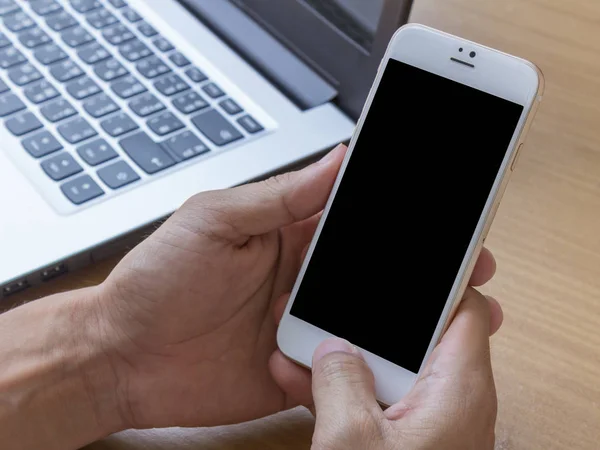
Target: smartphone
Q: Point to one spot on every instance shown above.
(431, 155)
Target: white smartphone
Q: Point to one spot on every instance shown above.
(428, 163)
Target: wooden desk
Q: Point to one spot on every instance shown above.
(546, 238)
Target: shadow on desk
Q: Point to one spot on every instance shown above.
(291, 430)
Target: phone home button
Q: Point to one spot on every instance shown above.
(516, 158)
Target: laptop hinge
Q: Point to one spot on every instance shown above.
(276, 62)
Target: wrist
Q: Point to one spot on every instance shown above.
(59, 388)
(91, 356)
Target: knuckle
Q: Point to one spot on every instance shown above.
(276, 183)
(206, 214)
(346, 368)
(281, 188)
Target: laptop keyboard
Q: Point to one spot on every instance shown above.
(91, 81)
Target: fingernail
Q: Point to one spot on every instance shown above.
(334, 345)
(329, 156)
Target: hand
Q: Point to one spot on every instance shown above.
(187, 315)
(452, 405)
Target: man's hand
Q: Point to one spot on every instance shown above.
(187, 314)
(452, 406)
(182, 333)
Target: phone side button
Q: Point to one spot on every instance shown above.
(516, 158)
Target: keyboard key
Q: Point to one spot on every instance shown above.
(250, 124)
(45, 7)
(147, 30)
(76, 130)
(100, 105)
(93, 53)
(76, 36)
(118, 124)
(118, 175)
(57, 110)
(34, 37)
(146, 153)
(18, 22)
(65, 71)
(152, 67)
(41, 144)
(40, 92)
(96, 152)
(117, 34)
(49, 54)
(9, 104)
(23, 123)
(118, 3)
(179, 60)
(81, 189)
(171, 85)
(82, 87)
(162, 44)
(134, 50)
(61, 21)
(4, 42)
(128, 87)
(131, 15)
(24, 74)
(145, 105)
(84, 6)
(215, 127)
(190, 102)
(165, 123)
(230, 106)
(10, 56)
(110, 69)
(186, 145)
(8, 7)
(195, 75)
(101, 18)
(61, 166)
(213, 90)
(3, 87)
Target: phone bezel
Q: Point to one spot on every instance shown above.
(494, 72)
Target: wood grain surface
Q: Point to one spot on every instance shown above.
(546, 238)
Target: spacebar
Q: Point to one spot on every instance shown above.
(146, 153)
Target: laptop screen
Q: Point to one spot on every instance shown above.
(342, 41)
(357, 19)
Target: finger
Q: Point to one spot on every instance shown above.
(342, 382)
(303, 255)
(467, 337)
(485, 268)
(293, 239)
(293, 380)
(496, 315)
(301, 233)
(258, 208)
(279, 307)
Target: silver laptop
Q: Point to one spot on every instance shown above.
(114, 112)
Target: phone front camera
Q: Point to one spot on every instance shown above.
(472, 54)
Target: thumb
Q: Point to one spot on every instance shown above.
(258, 208)
(342, 383)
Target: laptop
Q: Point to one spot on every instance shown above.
(114, 112)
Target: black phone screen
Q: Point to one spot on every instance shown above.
(405, 213)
